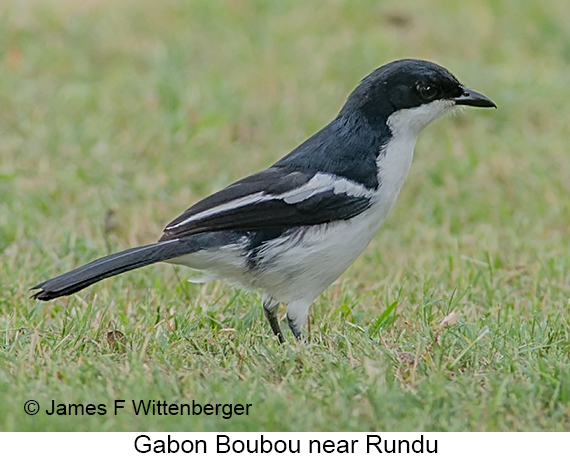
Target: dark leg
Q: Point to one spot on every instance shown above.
(295, 328)
(270, 308)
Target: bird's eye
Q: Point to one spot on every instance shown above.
(427, 91)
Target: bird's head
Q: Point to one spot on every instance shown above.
(412, 93)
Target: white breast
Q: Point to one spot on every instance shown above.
(395, 160)
(394, 163)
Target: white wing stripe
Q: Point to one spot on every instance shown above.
(320, 183)
(237, 203)
(324, 182)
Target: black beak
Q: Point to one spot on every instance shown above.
(472, 98)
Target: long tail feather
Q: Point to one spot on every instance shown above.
(111, 265)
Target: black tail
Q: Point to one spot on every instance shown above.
(114, 264)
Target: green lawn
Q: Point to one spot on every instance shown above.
(116, 116)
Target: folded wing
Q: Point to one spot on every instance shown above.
(276, 198)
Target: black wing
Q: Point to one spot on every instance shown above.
(276, 198)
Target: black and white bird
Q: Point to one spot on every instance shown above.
(291, 230)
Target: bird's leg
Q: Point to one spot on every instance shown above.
(270, 307)
(295, 328)
(297, 312)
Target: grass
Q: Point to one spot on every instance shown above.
(116, 116)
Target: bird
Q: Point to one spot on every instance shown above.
(291, 230)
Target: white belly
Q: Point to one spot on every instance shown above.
(302, 267)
